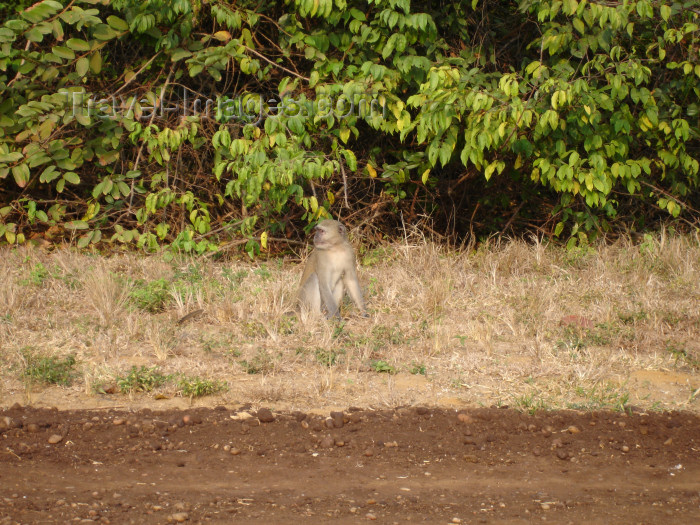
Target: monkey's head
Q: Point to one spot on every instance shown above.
(328, 233)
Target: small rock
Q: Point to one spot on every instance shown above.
(536, 451)
(235, 451)
(573, 429)
(55, 438)
(562, 454)
(87, 426)
(471, 458)
(187, 419)
(464, 418)
(422, 411)
(338, 418)
(329, 423)
(118, 421)
(625, 448)
(668, 442)
(327, 442)
(456, 520)
(227, 448)
(265, 415)
(368, 453)
(180, 517)
(339, 443)
(32, 427)
(304, 424)
(391, 444)
(545, 506)
(370, 516)
(644, 431)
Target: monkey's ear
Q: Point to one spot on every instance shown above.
(342, 229)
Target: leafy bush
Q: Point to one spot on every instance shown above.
(566, 115)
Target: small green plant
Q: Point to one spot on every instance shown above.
(234, 278)
(261, 363)
(382, 367)
(462, 339)
(141, 379)
(606, 396)
(327, 357)
(417, 369)
(37, 275)
(681, 355)
(198, 387)
(530, 403)
(263, 273)
(49, 369)
(152, 296)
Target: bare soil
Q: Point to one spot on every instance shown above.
(413, 464)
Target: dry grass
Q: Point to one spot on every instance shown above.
(478, 327)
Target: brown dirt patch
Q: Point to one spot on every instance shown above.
(392, 466)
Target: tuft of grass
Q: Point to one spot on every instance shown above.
(50, 370)
(105, 293)
(140, 379)
(198, 387)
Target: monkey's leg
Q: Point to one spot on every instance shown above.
(338, 293)
(327, 298)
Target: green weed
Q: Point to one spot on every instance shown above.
(198, 387)
(152, 296)
(141, 379)
(49, 369)
(382, 367)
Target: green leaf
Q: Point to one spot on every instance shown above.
(82, 66)
(96, 62)
(71, 177)
(21, 174)
(76, 225)
(63, 52)
(103, 32)
(179, 54)
(117, 23)
(76, 44)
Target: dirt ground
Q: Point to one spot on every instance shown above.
(411, 464)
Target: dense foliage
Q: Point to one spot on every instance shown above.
(191, 123)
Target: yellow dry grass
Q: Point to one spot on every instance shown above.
(516, 323)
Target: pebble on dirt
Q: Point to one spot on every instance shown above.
(55, 438)
(265, 415)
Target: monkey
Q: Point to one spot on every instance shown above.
(329, 271)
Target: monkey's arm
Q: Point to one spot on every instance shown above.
(309, 269)
(352, 285)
